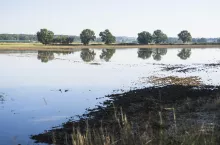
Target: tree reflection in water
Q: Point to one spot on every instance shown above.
(46, 56)
(144, 53)
(87, 55)
(157, 53)
(107, 54)
(185, 53)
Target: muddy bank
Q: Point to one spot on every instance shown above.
(167, 115)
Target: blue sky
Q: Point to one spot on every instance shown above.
(122, 17)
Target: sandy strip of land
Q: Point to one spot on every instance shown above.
(37, 46)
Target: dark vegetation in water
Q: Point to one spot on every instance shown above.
(179, 68)
(171, 115)
(186, 69)
(172, 68)
(2, 98)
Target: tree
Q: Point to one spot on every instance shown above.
(66, 40)
(194, 40)
(86, 36)
(185, 36)
(45, 36)
(87, 55)
(144, 37)
(18, 37)
(144, 53)
(218, 40)
(69, 40)
(107, 54)
(159, 37)
(184, 53)
(202, 40)
(63, 39)
(107, 37)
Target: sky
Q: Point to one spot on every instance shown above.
(121, 17)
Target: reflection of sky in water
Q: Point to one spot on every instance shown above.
(34, 102)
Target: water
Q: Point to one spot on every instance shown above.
(40, 89)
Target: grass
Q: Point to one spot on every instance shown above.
(169, 115)
(175, 80)
(38, 46)
(128, 135)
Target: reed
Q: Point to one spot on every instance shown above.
(127, 134)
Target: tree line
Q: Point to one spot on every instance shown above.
(158, 37)
(47, 37)
(18, 37)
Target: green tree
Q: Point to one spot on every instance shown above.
(69, 39)
(86, 36)
(107, 37)
(218, 40)
(66, 40)
(144, 37)
(184, 54)
(45, 36)
(159, 37)
(18, 37)
(185, 36)
(144, 53)
(107, 54)
(87, 55)
(57, 39)
(63, 39)
(202, 40)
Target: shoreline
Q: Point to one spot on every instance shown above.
(31, 46)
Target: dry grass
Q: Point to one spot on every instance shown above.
(173, 80)
(127, 135)
(38, 46)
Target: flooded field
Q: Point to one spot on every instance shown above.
(110, 96)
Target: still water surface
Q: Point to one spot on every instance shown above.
(40, 89)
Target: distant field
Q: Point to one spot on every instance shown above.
(38, 46)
